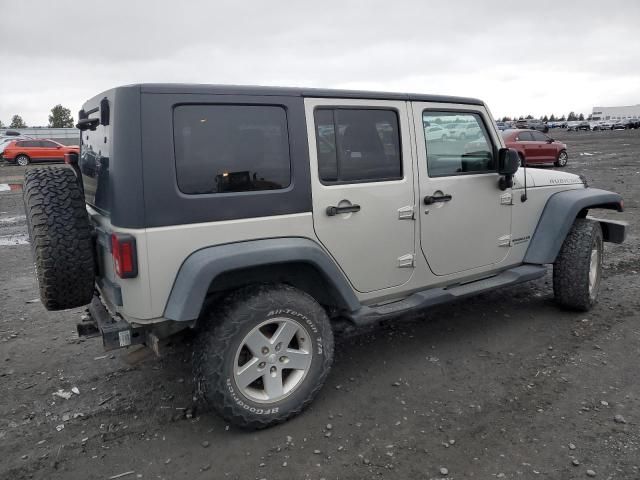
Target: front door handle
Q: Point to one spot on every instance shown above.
(332, 210)
(429, 200)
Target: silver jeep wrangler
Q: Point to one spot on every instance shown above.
(258, 216)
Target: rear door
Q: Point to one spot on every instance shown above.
(465, 219)
(32, 149)
(362, 184)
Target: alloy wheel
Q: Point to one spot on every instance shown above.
(272, 360)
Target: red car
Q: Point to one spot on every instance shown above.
(23, 152)
(536, 148)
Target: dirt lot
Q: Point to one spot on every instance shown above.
(504, 385)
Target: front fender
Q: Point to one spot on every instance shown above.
(559, 213)
(203, 266)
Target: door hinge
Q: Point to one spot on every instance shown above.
(506, 198)
(405, 213)
(406, 261)
(504, 241)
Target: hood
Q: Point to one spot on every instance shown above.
(537, 177)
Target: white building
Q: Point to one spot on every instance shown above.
(616, 113)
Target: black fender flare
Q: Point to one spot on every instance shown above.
(560, 211)
(203, 266)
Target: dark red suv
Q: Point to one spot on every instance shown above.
(536, 148)
(24, 152)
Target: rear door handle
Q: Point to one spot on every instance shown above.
(429, 200)
(332, 210)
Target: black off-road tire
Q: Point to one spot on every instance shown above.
(222, 334)
(60, 236)
(573, 264)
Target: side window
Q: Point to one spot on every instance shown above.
(357, 145)
(30, 144)
(525, 137)
(47, 144)
(539, 137)
(457, 143)
(231, 148)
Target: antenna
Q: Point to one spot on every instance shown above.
(523, 197)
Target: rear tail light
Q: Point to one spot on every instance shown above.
(125, 258)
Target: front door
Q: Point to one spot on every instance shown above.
(530, 147)
(465, 219)
(363, 195)
(50, 151)
(546, 150)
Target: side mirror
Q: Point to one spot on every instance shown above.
(508, 163)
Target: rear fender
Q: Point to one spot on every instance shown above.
(201, 269)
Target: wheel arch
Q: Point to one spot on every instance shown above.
(299, 262)
(561, 210)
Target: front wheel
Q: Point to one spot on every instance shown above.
(578, 268)
(22, 160)
(562, 159)
(264, 356)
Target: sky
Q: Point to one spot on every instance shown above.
(536, 57)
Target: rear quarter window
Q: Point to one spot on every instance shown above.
(231, 148)
(94, 164)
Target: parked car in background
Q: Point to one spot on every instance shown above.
(24, 152)
(435, 132)
(501, 126)
(632, 123)
(533, 124)
(469, 130)
(606, 125)
(536, 148)
(619, 125)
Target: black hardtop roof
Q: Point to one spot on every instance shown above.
(178, 88)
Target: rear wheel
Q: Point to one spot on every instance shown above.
(23, 160)
(562, 159)
(60, 236)
(578, 268)
(263, 357)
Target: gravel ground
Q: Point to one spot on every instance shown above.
(504, 385)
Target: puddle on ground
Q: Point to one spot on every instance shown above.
(18, 239)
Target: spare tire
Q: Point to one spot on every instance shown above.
(60, 236)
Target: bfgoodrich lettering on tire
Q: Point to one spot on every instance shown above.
(60, 236)
(263, 355)
(578, 269)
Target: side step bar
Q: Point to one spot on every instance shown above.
(437, 296)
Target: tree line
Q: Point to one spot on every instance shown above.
(60, 117)
(572, 117)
